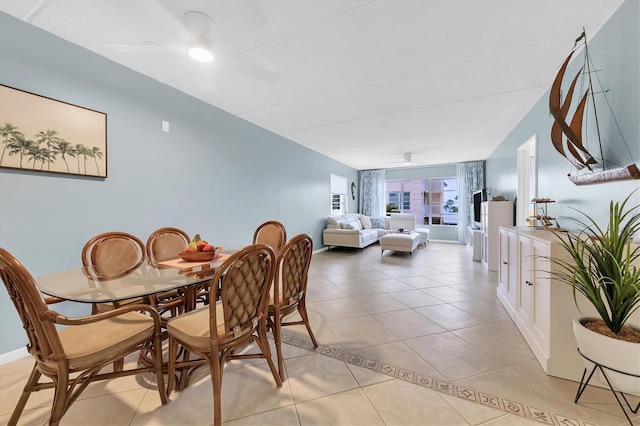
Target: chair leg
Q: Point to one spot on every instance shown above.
(59, 406)
(277, 336)
(26, 393)
(302, 310)
(216, 380)
(263, 344)
(171, 371)
(157, 354)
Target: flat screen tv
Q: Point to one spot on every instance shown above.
(478, 197)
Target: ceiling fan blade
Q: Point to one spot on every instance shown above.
(246, 20)
(145, 48)
(249, 68)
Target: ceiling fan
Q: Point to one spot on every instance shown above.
(407, 160)
(205, 37)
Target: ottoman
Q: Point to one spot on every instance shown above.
(400, 242)
(424, 235)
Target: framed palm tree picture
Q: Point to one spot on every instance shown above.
(46, 135)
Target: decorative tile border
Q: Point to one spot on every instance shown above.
(468, 394)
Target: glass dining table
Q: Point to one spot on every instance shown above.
(81, 284)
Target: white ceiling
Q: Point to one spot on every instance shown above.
(362, 82)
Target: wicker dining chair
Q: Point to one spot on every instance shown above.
(74, 357)
(112, 255)
(271, 233)
(217, 331)
(165, 244)
(290, 291)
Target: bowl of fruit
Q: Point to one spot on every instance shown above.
(199, 250)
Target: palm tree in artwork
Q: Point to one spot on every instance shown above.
(50, 138)
(38, 154)
(19, 145)
(81, 149)
(64, 148)
(48, 157)
(33, 154)
(95, 153)
(8, 132)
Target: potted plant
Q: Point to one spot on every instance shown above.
(604, 266)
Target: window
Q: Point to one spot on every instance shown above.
(338, 194)
(433, 201)
(337, 204)
(406, 201)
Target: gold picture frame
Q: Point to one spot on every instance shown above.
(41, 134)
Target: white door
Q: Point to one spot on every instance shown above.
(527, 180)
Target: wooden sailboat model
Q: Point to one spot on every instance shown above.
(594, 169)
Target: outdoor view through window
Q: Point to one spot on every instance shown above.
(433, 201)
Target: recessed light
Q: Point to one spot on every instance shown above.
(200, 54)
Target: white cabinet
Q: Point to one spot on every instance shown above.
(508, 269)
(493, 214)
(541, 307)
(474, 238)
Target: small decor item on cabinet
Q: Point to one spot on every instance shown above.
(540, 217)
(601, 267)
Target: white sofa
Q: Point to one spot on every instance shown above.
(354, 230)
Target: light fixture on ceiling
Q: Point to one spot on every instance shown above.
(407, 158)
(200, 53)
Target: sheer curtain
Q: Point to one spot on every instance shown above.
(372, 192)
(470, 178)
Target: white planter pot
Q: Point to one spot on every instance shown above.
(612, 353)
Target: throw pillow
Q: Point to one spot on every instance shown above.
(356, 224)
(345, 225)
(366, 222)
(378, 223)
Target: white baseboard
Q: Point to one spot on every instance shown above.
(321, 250)
(13, 356)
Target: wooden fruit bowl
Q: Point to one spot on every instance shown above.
(199, 256)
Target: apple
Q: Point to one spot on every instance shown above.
(208, 248)
(189, 249)
(200, 245)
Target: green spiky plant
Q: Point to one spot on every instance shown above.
(601, 265)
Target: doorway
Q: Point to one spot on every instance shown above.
(527, 181)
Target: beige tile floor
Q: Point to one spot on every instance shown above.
(404, 340)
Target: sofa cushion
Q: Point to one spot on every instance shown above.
(356, 224)
(378, 223)
(366, 222)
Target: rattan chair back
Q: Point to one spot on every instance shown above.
(112, 255)
(165, 244)
(271, 233)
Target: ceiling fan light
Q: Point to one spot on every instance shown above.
(200, 54)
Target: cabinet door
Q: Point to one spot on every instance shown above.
(503, 268)
(541, 293)
(525, 279)
(512, 279)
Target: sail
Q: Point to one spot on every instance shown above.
(559, 113)
(572, 127)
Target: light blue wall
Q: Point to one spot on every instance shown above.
(213, 173)
(615, 50)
